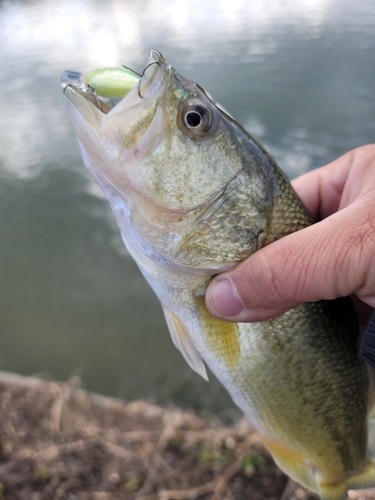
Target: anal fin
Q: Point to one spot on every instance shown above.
(292, 464)
(183, 341)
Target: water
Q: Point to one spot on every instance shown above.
(299, 74)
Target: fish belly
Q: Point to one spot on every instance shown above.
(299, 378)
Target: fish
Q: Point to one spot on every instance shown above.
(193, 195)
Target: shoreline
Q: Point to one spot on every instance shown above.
(58, 441)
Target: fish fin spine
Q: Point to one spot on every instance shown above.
(184, 342)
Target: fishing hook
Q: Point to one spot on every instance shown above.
(143, 74)
(93, 92)
(132, 70)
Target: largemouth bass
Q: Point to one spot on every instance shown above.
(194, 194)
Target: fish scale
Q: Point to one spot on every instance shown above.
(194, 196)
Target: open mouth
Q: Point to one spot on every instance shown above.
(105, 88)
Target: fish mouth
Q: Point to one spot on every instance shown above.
(128, 123)
(117, 135)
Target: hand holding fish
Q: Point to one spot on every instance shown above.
(332, 258)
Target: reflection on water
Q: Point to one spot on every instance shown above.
(298, 74)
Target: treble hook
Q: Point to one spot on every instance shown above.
(93, 92)
(132, 70)
(143, 74)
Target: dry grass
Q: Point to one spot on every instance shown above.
(60, 442)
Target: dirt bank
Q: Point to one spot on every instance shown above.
(60, 442)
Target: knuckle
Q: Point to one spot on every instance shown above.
(361, 162)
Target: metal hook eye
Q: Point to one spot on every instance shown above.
(143, 74)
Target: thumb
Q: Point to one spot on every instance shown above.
(326, 260)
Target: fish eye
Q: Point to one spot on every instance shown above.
(193, 119)
(196, 118)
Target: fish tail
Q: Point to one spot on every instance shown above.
(298, 469)
(366, 479)
(333, 492)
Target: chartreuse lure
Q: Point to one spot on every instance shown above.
(111, 83)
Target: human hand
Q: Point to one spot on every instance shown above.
(332, 258)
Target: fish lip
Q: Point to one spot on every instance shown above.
(71, 92)
(85, 116)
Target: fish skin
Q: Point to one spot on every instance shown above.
(190, 205)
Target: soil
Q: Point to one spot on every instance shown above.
(60, 442)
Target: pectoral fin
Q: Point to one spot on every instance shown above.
(183, 341)
(221, 336)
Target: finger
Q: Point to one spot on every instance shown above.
(324, 261)
(320, 190)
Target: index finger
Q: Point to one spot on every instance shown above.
(320, 190)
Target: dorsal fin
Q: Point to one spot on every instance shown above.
(183, 341)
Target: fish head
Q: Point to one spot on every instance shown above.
(176, 169)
